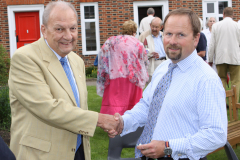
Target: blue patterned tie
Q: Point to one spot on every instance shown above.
(154, 108)
(74, 89)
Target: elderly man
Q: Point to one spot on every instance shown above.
(154, 43)
(224, 46)
(48, 94)
(145, 22)
(183, 108)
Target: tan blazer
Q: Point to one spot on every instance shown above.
(45, 116)
(225, 41)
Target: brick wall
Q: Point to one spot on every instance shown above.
(4, 35)
(112, 14)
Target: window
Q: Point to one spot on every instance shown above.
(90, 28)
(214, 8)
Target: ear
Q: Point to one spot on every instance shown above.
(196, 39)
(44, 30)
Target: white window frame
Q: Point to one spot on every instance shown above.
(163, 3)
(96, 20)
(216, 13)
(11, 21)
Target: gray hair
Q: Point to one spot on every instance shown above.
(208, 19)
(150, 11)
(50, 7)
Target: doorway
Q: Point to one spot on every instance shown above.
(142, 12)
(161, 8)
(27, 27)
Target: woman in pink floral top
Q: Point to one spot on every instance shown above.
(122, 71)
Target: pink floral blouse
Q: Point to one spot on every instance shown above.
(122, 56)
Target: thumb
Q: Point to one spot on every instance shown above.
(117, 116)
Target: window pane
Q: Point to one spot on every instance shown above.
(91, 43)
(89, 12)
(210, 7)
(221, 6)
(220, 18)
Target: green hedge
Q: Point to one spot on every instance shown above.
(5, 111)
(4, 65)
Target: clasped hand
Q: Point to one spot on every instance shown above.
(112, 124)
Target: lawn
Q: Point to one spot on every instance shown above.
(99, 143)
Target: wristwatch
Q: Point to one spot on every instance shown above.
(167, 151)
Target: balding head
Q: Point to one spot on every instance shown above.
(156, 25)
(62, 5)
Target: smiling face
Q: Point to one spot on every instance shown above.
(178, 40)
(156, 26)
(61, 30)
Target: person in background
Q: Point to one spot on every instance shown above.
(48, 93)
(5, 152)
(202, 46)
(154, 43)
(96, 61)
(207, 32)
(224, 47)
(145, 22)
(183, 108)
(122, 71)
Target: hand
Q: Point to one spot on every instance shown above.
(154, 149)
(113, 133)
(111, 124)
(210, 63)
(155, 54)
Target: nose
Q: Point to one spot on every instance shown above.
(173, 40)
(68, 34)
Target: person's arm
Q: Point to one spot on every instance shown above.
(212, 121)
(211, 48)
(141, 27)
(137, 116)
(202, 45)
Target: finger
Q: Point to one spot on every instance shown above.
(117, 116)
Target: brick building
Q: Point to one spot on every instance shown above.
(98, 19)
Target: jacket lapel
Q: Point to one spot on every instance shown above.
(55, 68)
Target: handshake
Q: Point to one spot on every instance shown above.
(112, 124)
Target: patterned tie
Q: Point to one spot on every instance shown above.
(154, 108)
(74, 89)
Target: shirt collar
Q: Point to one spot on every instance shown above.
(188, 61)
(59, 57)
(159, 35)
(227, 18)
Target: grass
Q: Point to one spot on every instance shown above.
(100, 140)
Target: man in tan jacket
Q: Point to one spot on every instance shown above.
(224, 46)
(48, 94)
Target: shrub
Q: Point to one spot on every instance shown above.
(5, 111)
(4, 65)
(90, 70)
(94, 73)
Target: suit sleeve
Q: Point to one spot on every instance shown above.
(29, 86)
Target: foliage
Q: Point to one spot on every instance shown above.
(5, 111)
(4, 65)
(91, 72)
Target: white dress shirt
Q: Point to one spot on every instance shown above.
(193, 115)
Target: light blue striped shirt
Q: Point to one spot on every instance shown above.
(158, 45)
(193, 116)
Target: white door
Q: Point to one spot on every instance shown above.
(214, 8)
